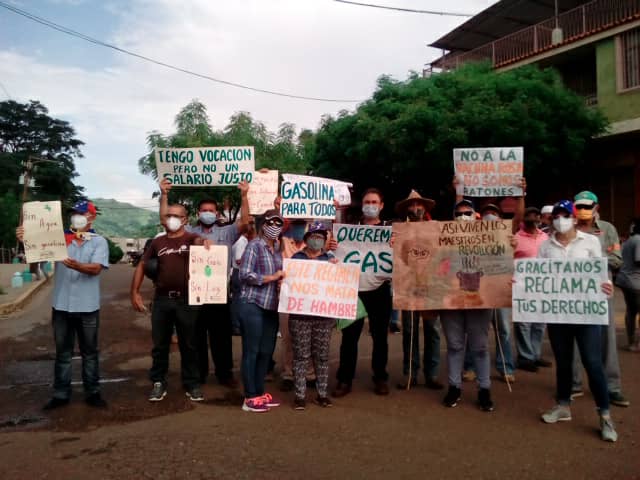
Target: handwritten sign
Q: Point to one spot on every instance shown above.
(208, 274)
(452, 265)
(262, 192)
(312, 197)
(560, 291)
(366, 246)
(320, 289)
(43, 232)
(206, 166)
(489, 172)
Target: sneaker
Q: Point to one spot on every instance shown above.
(484, 400)
(453, 396)
(324, 402)
(508, 377)
(380, 387)
(269, 401)
(195, 394)
(468, 376)
(616, 398)
(255, 405)
(55, 403)
(299, 404)
(342, 389)
(95, 400)
(287, 385)
(158, 392)
(559, 413)
(607, 430)
(393, 328)
(433, 384)
(575, 393)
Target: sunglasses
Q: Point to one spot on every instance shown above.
(274, 222)
(466, 214)
(584, 207)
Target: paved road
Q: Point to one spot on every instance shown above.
(404, 435)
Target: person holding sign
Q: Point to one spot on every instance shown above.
(76, 306)
(311, 336)
(214, 330)
(170, 304)
(568, 242)
(260, 275)
(416, 208)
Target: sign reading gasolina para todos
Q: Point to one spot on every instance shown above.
(205, 166)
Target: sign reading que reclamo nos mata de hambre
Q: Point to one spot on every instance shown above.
(205, 166)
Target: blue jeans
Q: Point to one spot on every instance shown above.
(431, 345)
(529, 338)
(502, 329)
(259, 328)
(589, 341)
(66, 326)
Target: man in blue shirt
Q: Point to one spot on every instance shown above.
(76, 306)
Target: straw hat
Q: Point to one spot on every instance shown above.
(403, 205)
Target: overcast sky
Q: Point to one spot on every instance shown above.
(318, 48)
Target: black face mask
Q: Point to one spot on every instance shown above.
(416, 215)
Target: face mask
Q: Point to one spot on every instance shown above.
(584, 214)
(78, 222)
(370, 211)
(174, 224)
(416, 215)
(466, 218)
(271, 231)
(315, 243)
(207, 218)
(297, 232)
(563, 224)
(490, 217)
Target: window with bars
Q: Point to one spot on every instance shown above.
(630, 59)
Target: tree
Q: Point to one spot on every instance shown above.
(403, 136)
(26, 129)
(115, 252)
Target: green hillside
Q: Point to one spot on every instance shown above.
(117, 219)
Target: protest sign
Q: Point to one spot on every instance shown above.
(554, 290)
(366, 246)
(452, 265)
(312, 197)
(262, 191)
(321, 289)
(205, 166)
(489, 172)
(43, 232)
(208, 272)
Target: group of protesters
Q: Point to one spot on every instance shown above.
(257, 247)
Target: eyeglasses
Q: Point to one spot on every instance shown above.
(274, 222)
(466, 214)
(584, 207)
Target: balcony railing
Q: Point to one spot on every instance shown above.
(570, 26)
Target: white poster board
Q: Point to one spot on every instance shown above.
(322, 289)
(312, 197)
(43, 232)
(553, 290)
(208, 272)
(205, 166)
(489, 172)
(262, 191)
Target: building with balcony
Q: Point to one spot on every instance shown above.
(595, 46)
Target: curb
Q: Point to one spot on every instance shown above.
(18, 303)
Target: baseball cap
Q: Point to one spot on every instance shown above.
(464, 202)
(565, 205)
(491, 206)
(84, 206)
(546, 209)
(585, 198)
(316, 227)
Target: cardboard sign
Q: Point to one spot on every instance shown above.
(489, 172)
(321, 289)
(43, 232)
(205, 166)
(366, 246)
(208, 272)
(262, 192)
(312, 197)
(452, 265)
(550, 290)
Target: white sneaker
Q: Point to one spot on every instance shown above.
(607, 430)
(559, 413)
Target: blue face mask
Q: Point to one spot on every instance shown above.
(296, 232)
(207, 218)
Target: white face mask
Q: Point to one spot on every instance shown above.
(563, 224)
(174, 224)
(78, 222)
(370, 211)
(491, 217)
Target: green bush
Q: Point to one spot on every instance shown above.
(115, 252)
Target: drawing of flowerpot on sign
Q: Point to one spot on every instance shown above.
(469, 281)
(468, 295)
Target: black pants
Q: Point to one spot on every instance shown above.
(166, 313)
(378, 305)
(214, 329)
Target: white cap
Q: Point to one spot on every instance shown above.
(546, 209)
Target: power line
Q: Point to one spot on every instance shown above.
(411, 10)
(95, 41)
